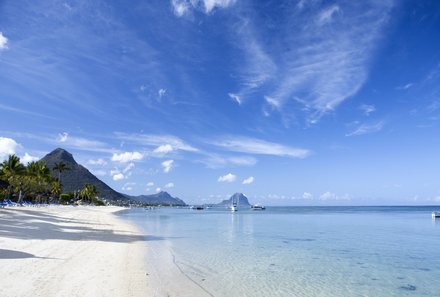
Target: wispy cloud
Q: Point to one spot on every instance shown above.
(218, 161)
(167, 165)
(366, 129)
(248, 180)
(164, 142)
(169, 186)
(324, 59)
(228, 178)
(3, 42)
(367, 109)
(182, 7)
(80, 143)
(258, 146)
(405, 87)
(235, 97)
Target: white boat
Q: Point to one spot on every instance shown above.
(435, 214)
(233, 207)
(258, 207)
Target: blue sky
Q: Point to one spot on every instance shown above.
(291, 102)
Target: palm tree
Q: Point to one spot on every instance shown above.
(89, 193)
(57, 188)
(40, 177)
(11, 170)
(60, 167)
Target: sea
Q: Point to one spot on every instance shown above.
(300, 251)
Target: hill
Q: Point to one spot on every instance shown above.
(77, 176)
(159, 198)
(238, 198)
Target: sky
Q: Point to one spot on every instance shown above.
(300, 102)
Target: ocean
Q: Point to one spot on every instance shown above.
(299, 251)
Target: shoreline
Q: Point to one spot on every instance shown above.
(71, 251)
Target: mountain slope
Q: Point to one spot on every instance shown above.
(238, 198)
(77, 176)
(159, 198)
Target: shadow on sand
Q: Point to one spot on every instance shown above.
(25, 224)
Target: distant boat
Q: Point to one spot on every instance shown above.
(198, 207)
(435, 214)
(258, 207)
(234, 205)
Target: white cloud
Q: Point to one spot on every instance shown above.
(3, 42)
(99, 162)
(128, 186)
(99, 172)
(62, 137)
(327, 61)
(127, 157)
(7, 146)
(28, 158)
(118, 176)
(307, 196)
(150, 184)
(257, 146)
(273, 102)
(182, 7)
(167, 165)
(161, 93)
(332, 196)
(169, 185)
(405, 87)
(235, 97)
(366, 129)
(82, 143)
(248, 180)
(327, 15)
(217, 161)
(367, 109)
(157, 140)
(228, 178)
(163, 149)
(158, 190)
(128, 167)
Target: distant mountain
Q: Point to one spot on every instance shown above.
(159, 198)
(238, 198)
(77, 176)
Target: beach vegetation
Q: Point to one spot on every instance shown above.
(35, 183)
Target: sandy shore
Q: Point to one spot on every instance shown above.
(71, 251)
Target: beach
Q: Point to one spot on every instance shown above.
(71, 251)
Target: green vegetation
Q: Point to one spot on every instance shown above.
(35, 183)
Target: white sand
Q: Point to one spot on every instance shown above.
(71, 251)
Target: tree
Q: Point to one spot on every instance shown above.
(40, 178)
(60, 167)
(89, 193)
(57, 188)
(11, 170)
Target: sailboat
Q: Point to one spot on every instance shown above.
(234, 205)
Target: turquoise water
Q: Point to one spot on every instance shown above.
(301, 251)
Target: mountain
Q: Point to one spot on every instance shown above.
(238, 198)
(159, 198)
(77, 176)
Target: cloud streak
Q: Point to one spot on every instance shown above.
(323, 59)
(367, 129)
(260, 147)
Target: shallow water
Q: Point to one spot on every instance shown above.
(301, 251)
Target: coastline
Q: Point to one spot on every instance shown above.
(71, 251)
